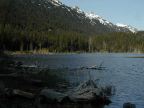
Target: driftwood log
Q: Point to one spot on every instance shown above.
(20, 93)
(86, 93)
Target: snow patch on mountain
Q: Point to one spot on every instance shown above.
(77, 9)
(132, 29)
(93, 16)
(56, 2)
(121, 25)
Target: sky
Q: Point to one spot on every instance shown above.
(130, 12)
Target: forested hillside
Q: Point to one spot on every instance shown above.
(32, 25)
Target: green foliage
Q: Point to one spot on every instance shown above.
(119, 42)
(15, 39)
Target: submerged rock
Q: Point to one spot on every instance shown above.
(129, 105)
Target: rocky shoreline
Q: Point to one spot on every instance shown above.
(33, 87)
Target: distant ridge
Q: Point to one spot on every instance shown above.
(53, 15)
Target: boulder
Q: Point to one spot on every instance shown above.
(129, 105)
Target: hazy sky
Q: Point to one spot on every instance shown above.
(129, 12)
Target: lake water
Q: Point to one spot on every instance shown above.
(126, 74)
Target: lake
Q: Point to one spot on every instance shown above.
(124, 71)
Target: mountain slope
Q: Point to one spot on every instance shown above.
(132, 29)
(45, 15)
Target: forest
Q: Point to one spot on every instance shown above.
(18, 39)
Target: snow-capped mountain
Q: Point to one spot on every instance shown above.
(93, 16)
(55, 16)
(132, 29)
(119, 27)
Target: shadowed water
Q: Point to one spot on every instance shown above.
(124, 71)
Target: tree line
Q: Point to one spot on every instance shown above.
(18, 39)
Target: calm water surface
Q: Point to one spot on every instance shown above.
(126, 74)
